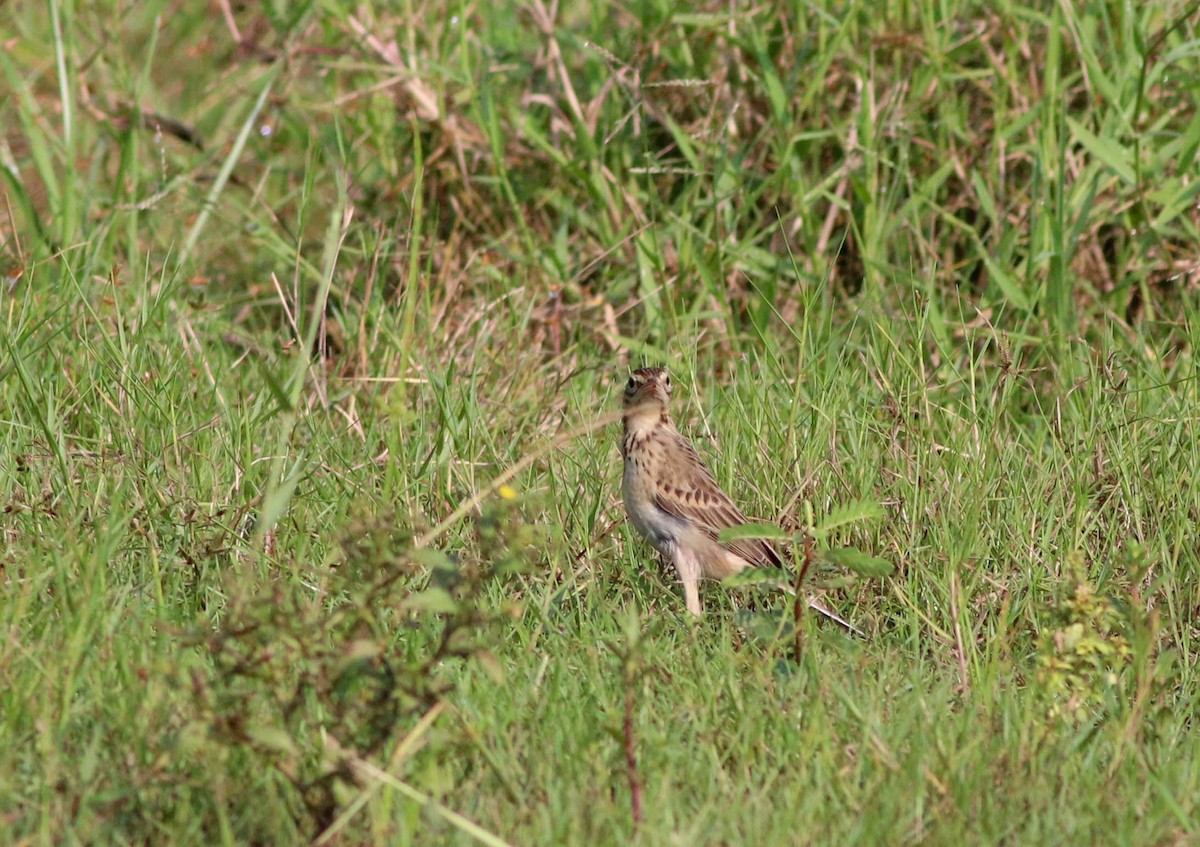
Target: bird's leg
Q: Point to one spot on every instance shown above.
(688, 568)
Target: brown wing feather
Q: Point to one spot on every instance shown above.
(692, 493)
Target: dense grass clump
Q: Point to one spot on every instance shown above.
(313, 320)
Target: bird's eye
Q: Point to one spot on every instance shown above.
(667, 383)
(631, 386)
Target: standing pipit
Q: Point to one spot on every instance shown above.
(672, 499)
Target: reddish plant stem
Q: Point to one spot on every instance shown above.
(800, 603)
(631, 766)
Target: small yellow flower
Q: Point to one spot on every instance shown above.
(507, 492)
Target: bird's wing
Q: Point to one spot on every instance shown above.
(690, 492)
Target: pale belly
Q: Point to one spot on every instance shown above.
(658, 527)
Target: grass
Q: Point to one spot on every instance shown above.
(293, 289)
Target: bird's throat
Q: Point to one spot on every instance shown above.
(645, 418)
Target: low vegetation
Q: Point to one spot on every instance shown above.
(314, 320)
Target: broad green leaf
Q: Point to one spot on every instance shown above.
(858, 561)
(275, 501)
(758, 576)
(1010, 288)
(360, 649)
(753, 530)
(435, 600)
(767, 626)
(1112, 154)
(857, 512)
(684, 141)
(775, 91)
(432, 558)
(984, 193)
(490, 664)
(1177, 203)
(648, 352)
(632, 625)
(272, 738)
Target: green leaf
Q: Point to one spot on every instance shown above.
(275, 501)
(683, 140)
(753, 530)
(858, 561)
(1117, 158)
(1010, 288)
(432, 558)
(757, 576)
(632, 625)
(766, 626)
(436, 600)
(490, 664)
(776, 95)
(829, 583)
(857, 512)
(360, 649)
(272, 738)
(648, 352)
(274, 387)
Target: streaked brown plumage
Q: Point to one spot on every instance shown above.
(672, 498)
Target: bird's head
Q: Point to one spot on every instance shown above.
(647, 393)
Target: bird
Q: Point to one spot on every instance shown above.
(673, 500)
